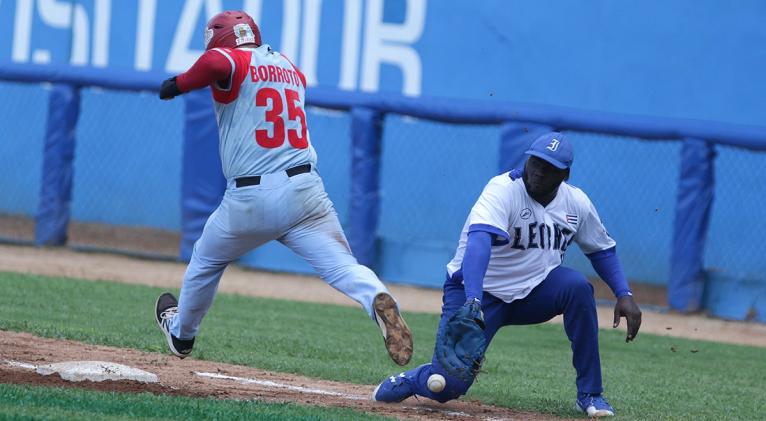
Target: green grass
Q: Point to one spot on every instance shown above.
(46, 403)
(527, 368)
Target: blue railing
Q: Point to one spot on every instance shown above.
(443, 110)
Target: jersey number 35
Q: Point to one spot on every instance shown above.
(296, 137)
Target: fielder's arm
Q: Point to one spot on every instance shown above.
(475, 263)
(608, 266)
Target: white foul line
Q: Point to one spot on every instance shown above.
(440, 411)
(268, 383)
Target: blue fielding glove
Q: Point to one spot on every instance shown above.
(461, 345)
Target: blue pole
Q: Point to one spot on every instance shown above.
(693, 206)
(366, 134)
(53, 211)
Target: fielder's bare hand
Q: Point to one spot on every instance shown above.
(626, 307)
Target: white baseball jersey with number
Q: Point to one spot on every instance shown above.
(530, 239)
(261, 119)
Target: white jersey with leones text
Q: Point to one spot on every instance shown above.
(531, 239)
(261, 116)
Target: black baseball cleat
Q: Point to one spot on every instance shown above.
(396, 333)
(165, 311)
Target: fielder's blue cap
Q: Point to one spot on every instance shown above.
(554, 148)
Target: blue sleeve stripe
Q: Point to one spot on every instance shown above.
(490, 229)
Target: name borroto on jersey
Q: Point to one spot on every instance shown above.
(271, 73)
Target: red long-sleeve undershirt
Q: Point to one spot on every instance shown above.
(212, 66)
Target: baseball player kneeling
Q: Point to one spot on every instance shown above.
(274, 191)
(507, 271)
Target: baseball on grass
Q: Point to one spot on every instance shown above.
(436, 383)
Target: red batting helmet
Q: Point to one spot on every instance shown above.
(230, 29)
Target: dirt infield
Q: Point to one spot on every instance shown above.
(190, 377)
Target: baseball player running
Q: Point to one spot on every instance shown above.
(274, 191)
(507, 271)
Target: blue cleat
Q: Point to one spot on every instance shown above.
(394, 389)
(595, 405)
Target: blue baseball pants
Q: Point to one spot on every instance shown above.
(565, 291)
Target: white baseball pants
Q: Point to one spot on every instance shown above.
(295, 211)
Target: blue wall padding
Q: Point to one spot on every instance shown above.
(693, 206)
(366, 132)
(202, 180)
(118, 79)
(56, 190)
(515, 139)
(735, 285)
(735, 298)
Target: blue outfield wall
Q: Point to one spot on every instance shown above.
(22, 131)
(633, 186)
(430, 174)
(127, 160)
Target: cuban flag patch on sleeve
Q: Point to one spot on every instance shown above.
(571, 219)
